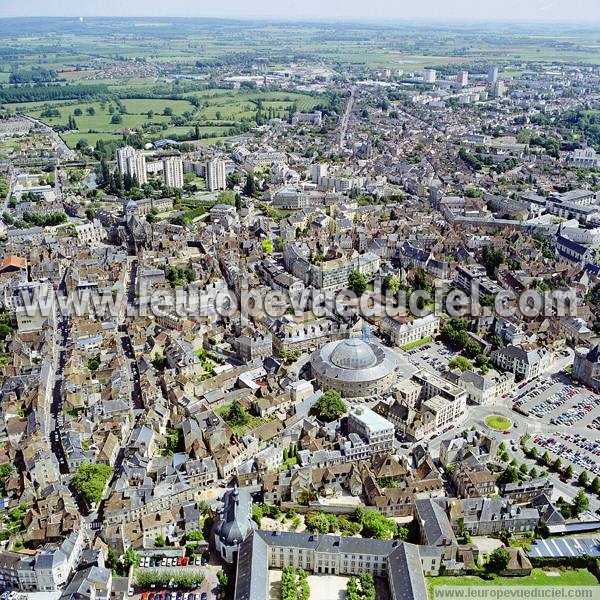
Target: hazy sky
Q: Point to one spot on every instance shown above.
(584, 11)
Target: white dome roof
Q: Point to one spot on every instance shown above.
(353, 353)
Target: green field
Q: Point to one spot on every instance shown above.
(416, 344)
(215, 112)
(551, 576)
(498, 422)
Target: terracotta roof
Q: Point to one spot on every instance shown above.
(14, 261)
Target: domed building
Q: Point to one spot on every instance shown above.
(235, 523)
(354, 367)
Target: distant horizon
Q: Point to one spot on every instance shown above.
(583, 12)
(307, 19)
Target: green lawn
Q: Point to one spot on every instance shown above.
(416, 344)
(252, 421)
(537, 577)
(498, 422)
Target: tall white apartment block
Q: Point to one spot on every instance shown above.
(463, 78)
(318, 171)
(499, 89)
(132, 162)
(215, 175)
(173, 172)
(429, 75)
(492, 75)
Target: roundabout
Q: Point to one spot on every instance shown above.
(498, 422)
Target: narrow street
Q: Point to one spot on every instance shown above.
(345, 119)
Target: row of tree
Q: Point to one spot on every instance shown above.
(294, 584)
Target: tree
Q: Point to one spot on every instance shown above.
(454, 332)
(159, 541)
(483, 362)
(93, 363)
(232, 180)
(569, 472)
(375, 525)
(357, 282)
(319, 522)
(557, 466)
(223, 580)
(498, 560)
(90, 481)
(391, 283)
(523, 469)
(460, 362)
(329, 406)
(504, 536)
(236, 415)
(583, 479)
(420, 279)
(250, 186)
(580, 503)
(546, 459)
(5, 471)
(533, 473)
(509, 475)
(491, 259)
(194, 536)
(131, 558)
(289, 356)
(595, 485)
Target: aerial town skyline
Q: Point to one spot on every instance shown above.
(299, 307)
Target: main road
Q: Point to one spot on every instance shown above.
(345, 119)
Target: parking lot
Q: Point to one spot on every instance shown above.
(172, 561)
(557, 401)
(582, 453)
(433, 356)
(174, 595)
(207, 590)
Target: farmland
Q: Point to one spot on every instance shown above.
(210, 114)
